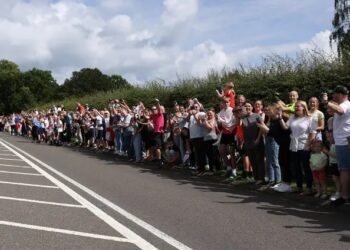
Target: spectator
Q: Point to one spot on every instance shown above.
(317, 116)
(303, 132)
(318, 163)
(253, 143)
(341, 131)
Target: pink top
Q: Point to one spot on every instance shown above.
(158, 122)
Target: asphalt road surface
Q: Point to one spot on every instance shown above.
(71, 198)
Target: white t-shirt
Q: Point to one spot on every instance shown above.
(196, 129)
(226, 118)
(341, 125)
(300, 129)
(317, 116)
(99, 123)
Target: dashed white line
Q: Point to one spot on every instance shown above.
(123, 230)
(40, 202)
(14, 166)
(19, 173)
(10, 159)
(26, 184)
(64, 231)
(156, 232)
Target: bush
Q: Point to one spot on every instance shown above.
(310, 73)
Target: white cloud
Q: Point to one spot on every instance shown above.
(178, 11)
(65, 36)
(320, 41)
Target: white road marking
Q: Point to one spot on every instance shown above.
(8, 154)
(40, 202)
(19, 173)
(64, 231)
(26, 184)
(14, 166)
(161, 235)
(123, 230)
(8, 159)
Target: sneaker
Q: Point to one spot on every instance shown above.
(234, 172)
(283, 188)
(335, 196)
(339, 202)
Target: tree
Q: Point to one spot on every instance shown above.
(41, 84)
(341, 25)
(9, 82)
(118, 82)
(89, 81)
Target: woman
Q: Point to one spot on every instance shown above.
(317, 116)
(259, 109)
(274, 134)
(210, 137)
(253, 144)
(303, 132)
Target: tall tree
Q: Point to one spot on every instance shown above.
(9, 82)
(41, 83)
(341, 27)
(88, 81)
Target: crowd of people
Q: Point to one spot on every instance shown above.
(271, 144)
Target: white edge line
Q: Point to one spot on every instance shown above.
(7, 159)
(13, 166)
(161, 235)
(123, 230)
(26, 184)
(40, 202)
(63, 231)
(19, 173)
(7, 154)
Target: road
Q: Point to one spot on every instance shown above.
(72, 198)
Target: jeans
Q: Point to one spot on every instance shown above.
(272, 149)
(137, 144)
(256, 157)
(127, 141)
(301, 163)
(118, 140)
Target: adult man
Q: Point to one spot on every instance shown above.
(341, 132)
(157, 117)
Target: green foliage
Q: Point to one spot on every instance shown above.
(41, 84)
(310, 73)
(341, 25)
(89, 81)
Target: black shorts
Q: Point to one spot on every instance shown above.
(100, 134)
(333, 169)
(228, 139)
(157, 140)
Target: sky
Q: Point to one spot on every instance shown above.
(145, 40)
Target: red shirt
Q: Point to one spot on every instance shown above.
(158, 122)
(230, 94)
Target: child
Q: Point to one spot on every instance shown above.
(318, 163)
(333, 165)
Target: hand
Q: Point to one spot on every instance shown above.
(157, 100)
(324, 97)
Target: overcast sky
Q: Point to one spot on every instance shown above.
(149, 39)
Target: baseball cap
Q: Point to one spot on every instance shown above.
(341, 90)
